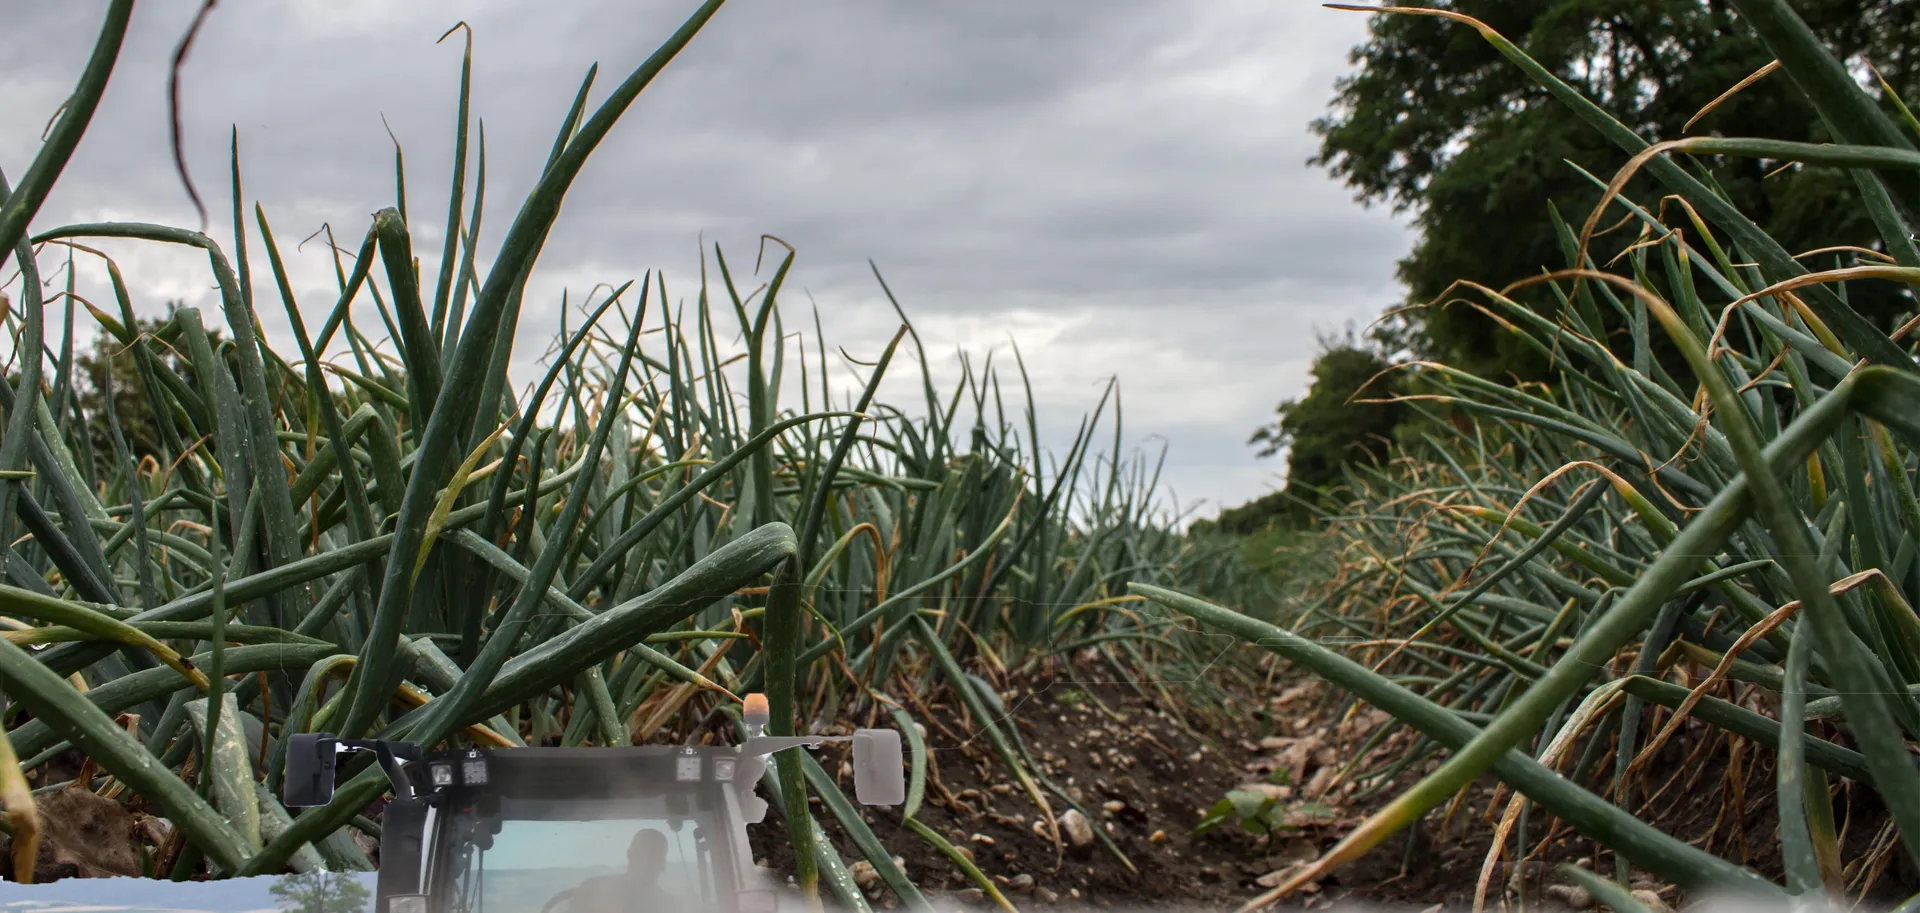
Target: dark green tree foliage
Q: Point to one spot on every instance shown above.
(132, 405)
(320, 892)
(1437, 123)
(1335, 423)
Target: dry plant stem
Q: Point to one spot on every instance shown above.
(23, 818)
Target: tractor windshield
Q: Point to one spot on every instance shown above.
(588, 856)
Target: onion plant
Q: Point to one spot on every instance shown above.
(1705, 523)
(388, 540)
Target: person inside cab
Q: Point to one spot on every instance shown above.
(636, 889)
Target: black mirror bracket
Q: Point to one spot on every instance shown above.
(392, 757)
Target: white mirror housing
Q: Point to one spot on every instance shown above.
(879, 767)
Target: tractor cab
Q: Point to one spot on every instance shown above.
(579, 830)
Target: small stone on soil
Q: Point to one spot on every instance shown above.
(1652, 900)
(1078, 828)
(1574, 896)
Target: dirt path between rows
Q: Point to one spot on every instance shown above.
(1148, 777)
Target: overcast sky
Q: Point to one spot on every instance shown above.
(1120, 186)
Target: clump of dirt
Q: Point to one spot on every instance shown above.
(82, 835)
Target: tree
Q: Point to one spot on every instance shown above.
(1438, 123)
(1336, 422)
(132, 407)
(321, 892)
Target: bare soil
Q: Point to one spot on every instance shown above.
(1148, 777)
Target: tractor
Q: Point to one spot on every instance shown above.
(579, 830)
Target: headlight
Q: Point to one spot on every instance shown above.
(408, 903)
(473, 771)
(723, 769)
(442, 776)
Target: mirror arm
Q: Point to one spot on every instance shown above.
(762, 745)
(392, 757)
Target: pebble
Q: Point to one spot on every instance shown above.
(1114, 806)
(1158, 837)
(1046, 896)
(981, 839)
(868, 878)
(1021, 883)
(1079, 829)
(1574, 896)
(1652, 901)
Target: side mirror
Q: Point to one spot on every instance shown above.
(310, 766)
(879, 767)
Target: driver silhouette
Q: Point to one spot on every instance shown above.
(635, 889)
